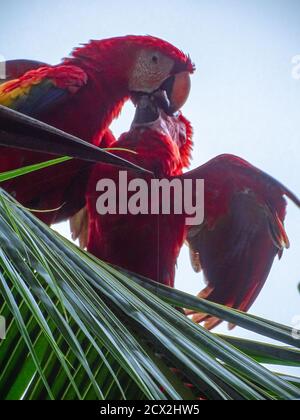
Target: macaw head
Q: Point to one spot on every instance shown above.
(158, 131)
(141, 65)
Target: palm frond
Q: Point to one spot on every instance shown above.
(78, 328)
(23, 132)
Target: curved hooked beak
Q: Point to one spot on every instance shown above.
(172, 94)
(178, 89)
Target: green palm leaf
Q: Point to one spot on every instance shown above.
(78, 328)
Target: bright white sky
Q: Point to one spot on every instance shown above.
(244, 100)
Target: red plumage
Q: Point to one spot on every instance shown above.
(81, 96)
(242, 233)
(144, 244)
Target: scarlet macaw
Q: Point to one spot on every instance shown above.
(82, 96)
(242, 233)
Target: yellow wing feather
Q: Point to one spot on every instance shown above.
(13, 90)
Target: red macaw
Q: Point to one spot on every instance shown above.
(81, 96)
(144, 244)
(243, 229)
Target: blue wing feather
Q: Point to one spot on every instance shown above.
(41, 98)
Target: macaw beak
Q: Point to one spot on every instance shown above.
(178, 88)
(171, 95)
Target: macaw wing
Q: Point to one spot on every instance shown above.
(39, 90)
(34, 90)
(242, 233)
(236, 256)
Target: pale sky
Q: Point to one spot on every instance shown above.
(244, 99)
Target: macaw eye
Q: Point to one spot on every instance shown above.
(155, 59)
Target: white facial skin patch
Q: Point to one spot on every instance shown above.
(152, 68)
